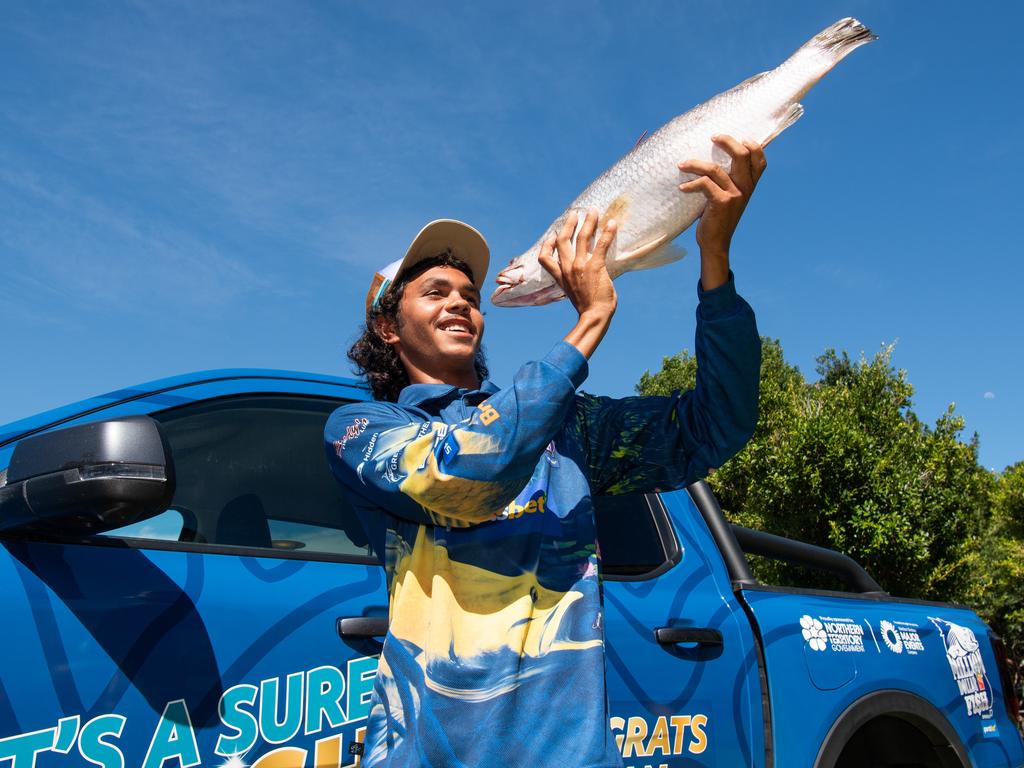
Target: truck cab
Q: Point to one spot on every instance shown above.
(184, 584)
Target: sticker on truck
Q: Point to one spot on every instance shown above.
(963, 652)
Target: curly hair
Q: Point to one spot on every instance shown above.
(377, 360)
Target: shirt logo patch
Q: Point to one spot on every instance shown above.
(551, 454)
(487, 414)
(352, 431)
(536, 504)
(445, 450)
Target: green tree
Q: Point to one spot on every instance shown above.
(996, 587)
(844, 462)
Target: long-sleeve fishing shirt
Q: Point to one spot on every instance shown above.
(479, 504)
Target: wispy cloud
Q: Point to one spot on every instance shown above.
(70, 245)
(300, 142)
(316, 131)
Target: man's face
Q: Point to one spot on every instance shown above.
(440, 325)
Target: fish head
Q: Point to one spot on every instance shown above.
(525, 283)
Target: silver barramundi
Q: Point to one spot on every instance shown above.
(641, 191)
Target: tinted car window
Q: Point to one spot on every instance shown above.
(635, 536)
(167, 526)
(251, 472)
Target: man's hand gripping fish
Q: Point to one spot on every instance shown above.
(641, 191)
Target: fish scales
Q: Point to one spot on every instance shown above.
(641, 190)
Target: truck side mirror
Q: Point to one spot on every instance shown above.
(87, 478)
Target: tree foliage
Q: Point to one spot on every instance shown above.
(844, 462)
(996, 588)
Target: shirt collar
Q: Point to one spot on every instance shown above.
(419, 394)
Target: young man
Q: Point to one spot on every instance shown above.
(478, 500)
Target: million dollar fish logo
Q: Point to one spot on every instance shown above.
(963, 652)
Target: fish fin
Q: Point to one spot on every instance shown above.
(641, 250)
(649, 255)
(751, 79)
(641, 139)
(793, 113)
(660, 256)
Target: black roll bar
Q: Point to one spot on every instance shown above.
(735, 540)
(809, 555)
(735, 562)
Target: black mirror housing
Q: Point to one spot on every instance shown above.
(88, 478)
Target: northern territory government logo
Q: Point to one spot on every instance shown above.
(827, 632)
(963, 652)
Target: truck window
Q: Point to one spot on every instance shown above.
(251, 472)
(635, 535)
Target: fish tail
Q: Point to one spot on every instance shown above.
(827, 48)
(841, 38)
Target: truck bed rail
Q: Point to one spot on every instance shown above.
(808, 555)
(735, 541)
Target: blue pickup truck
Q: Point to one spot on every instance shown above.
(182, 584)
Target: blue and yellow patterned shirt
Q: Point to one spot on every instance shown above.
(479, 504)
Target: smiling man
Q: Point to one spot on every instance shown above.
(478, 500)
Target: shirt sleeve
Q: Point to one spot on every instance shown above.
(429, 471)
(642, 444)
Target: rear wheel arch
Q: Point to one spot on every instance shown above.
(885, 711)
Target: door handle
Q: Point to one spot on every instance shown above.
(362, 627)
(705, 636)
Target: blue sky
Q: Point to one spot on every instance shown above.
(187, 186)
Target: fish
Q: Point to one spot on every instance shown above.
(641, 191)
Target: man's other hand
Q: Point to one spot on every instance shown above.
(727, 195)
(582, 274)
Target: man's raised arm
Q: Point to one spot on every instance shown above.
(425, 470)
(649, 443)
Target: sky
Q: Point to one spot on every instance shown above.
(190, 186)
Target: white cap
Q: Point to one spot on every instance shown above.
(441, 235)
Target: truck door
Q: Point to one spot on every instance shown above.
(683, 680)
(207, 635)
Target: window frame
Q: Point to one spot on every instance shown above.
(238, 550)
(672, 551)
(170, 545)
